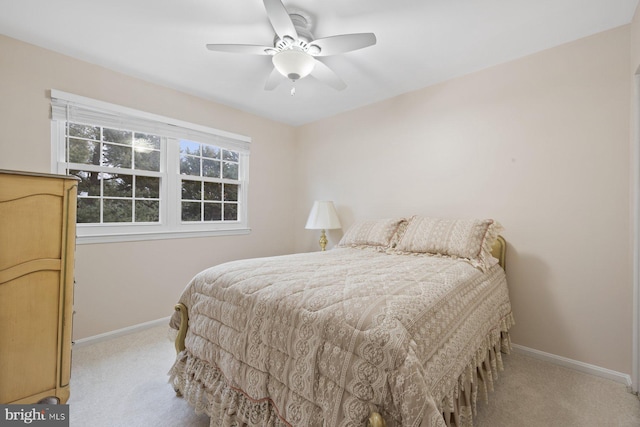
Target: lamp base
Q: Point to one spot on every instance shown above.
(323, 240)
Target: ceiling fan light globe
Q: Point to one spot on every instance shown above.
(293, 64)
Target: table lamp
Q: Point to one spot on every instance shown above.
(323, 216)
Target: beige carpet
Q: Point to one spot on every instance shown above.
(123, 382)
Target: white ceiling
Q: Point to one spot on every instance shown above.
(420, 42)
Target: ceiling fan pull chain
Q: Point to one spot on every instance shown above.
(293, 90)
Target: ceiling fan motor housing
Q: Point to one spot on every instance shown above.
(302, 23)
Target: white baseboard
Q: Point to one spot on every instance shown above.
(119, 332)
(574, 364)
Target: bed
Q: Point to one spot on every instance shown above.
(401, 324)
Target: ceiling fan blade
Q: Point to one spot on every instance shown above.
(280, 19)
(274, 79)
(327, 76)
(240, 48)
(343, 43)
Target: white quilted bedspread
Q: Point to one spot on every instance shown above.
(325, 338)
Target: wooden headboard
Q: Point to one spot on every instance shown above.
(499, 251)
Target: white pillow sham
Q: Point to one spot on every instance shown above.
(471, 239)
(377, 232)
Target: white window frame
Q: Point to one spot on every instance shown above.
(78, 109)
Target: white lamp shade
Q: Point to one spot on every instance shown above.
(323, 216)
(293, 64)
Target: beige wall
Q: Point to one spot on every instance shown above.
(149, 275)
(542, 145)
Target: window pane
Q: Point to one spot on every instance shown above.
(116, 210)
(191, 190)
(231, 192)
(213, 211)
(147, 187)
(84, 131)
(83, 151)
(88, 211)
(210, 151)
(230, 170)
(229, 155)
(119, 189)
(148, 161)
(191, 211)
(212, 191)
(117, 185)
(116, 156)
(143, 140)
(189, 147)
(211, 168)
(115, 135)
(89, 184)
(230, 212)
(147, 211)
(190, 165)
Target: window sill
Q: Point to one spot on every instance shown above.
(156, 235)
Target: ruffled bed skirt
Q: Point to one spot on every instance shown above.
(204, 387)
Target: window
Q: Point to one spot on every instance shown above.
(210, 188)
(143, 176)
(119, 173)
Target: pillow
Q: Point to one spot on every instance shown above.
(377, 232)
(462, 238)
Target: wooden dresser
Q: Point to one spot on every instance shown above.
(37, 245)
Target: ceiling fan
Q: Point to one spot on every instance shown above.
(294, 49)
